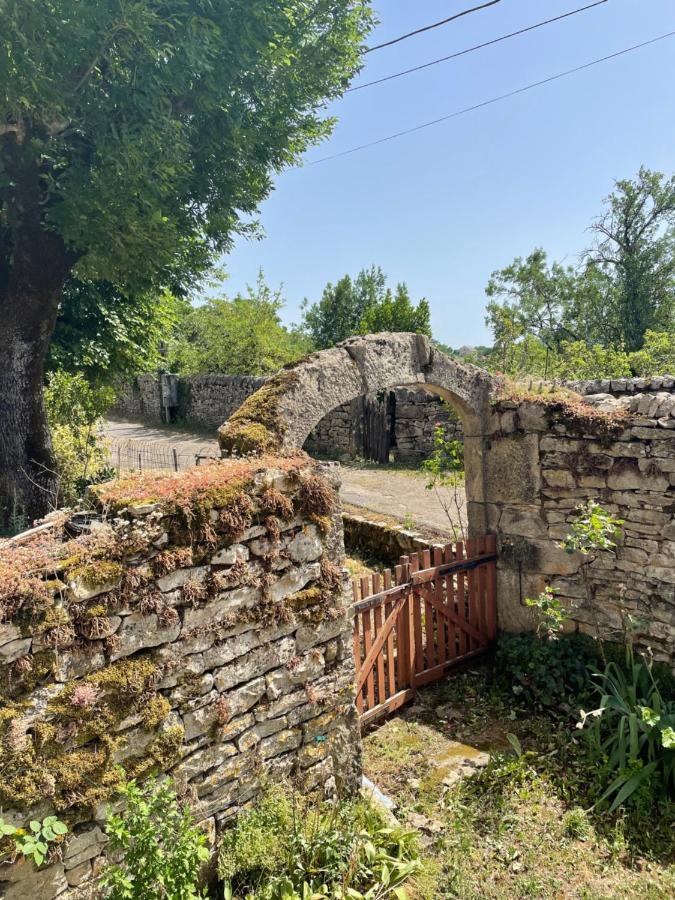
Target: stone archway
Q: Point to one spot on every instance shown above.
(285, 410)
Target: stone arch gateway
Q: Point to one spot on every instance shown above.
(286, 409)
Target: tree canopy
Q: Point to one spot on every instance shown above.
(362, 305)
(241, 336)
(592, 319)
(136, 139)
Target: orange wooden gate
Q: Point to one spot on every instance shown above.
(433, 611)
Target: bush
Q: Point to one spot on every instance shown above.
(159, 847)
(286, 849)
(547, 674)
(74, 409)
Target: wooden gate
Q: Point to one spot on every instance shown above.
(433, 611)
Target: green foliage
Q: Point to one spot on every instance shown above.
(397, 313)
(634, 254)
(657, 356)
(445, 470)
(243, 336)
(160, 849)
(633, 732)
(592, 529)
(361, 306)
(109, 336)
(74, 409)
(156, 128)
(35, 842)
(285, 848)
(594, 321)
(546, 674)
(549, 612)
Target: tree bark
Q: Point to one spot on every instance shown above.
(31, 283)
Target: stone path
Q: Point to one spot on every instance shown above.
(400, 494)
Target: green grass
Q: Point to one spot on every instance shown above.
(523, 826)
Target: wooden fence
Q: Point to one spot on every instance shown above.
(434, 610)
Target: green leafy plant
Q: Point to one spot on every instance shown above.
(549, 612)
(35, 842)
(592, 529)
(159, 847)
(547, 674)
(284, 848)
(445, 469)
(633, 729)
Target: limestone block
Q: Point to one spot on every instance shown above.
(180, 577)
(309, 667)
(206, 758)
(23, 880)
(15, 649)
(306, 546)
(139, 632)
(84, 846)
(282, 706)
(281, 742)
(80, 590)
(80, 874)
(627, 475)
(512, 469)
(523, 521)
(310, 635)
(257, 662)
(251, 738)
(294, 581)
(220, 607)
(229, 555)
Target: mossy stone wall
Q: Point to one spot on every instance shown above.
(201, 628)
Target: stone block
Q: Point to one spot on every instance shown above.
(84, 845)
(257, 662)
(512, 469)
(139, 632)
(229, 555)
(177, 579)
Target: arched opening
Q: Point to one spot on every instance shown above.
(288, 409)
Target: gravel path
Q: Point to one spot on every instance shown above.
(400, 494)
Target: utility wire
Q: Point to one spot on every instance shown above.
(468, 109)
(504, 37)
(404, 37)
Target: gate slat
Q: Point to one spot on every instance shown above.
(377, 617)
(491, 547)
(391, 673)
(460, 601)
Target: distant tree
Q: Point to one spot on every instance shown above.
(634, 250)
(361, 306)
(396, 312)
(657, 355)
(136, 139)
(242, 336)
(339, 313)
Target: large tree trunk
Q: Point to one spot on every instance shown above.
(34, 274)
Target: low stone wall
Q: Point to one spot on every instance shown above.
(622, 386)
(201, 628)
(140, 400)
(204, 401)
(385, 543)
(547, 457)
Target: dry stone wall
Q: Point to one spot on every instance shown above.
(546, 458)
(200, 627)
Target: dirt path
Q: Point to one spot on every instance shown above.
(400, 494)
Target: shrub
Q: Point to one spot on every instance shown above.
(286, 849)
(159, 847)
(633, 730)
(547, 674)
(74, 409)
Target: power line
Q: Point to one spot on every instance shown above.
(468, 109)
(504, 37)
(404, 37)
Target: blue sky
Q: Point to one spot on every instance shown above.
(442, 208)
